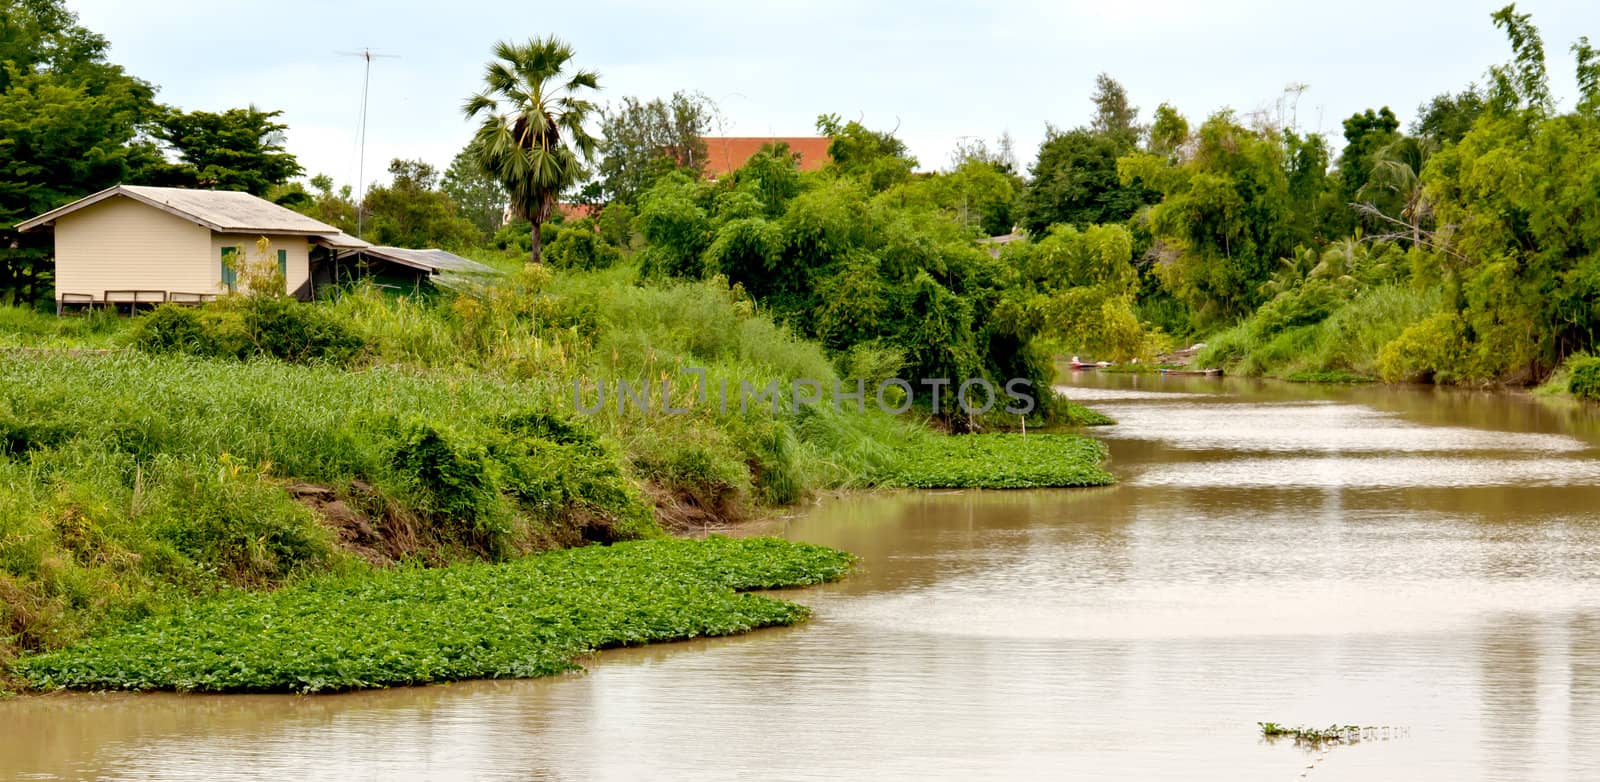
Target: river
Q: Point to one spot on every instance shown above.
(1426, 560)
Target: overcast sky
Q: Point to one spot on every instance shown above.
(934, 69)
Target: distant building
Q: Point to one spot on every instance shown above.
(726, 154)
(568, 212)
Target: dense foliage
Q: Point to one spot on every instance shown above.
(1583, 379)
(248, 328)
(1464, 251)
(642, 140)
(238, 149)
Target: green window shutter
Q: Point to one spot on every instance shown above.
(283, 265)
(230, 274)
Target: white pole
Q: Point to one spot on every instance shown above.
(361, 159)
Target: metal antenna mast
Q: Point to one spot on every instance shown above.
(361, 130)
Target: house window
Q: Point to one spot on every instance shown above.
(230, 274)
(283, 265)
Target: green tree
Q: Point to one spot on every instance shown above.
(69, 126)
(1394, 187)
(641, 140)
(1224, 219)
(1364, 134)
(1169, 132)
(1518, 243)
(876, 158)
(773, 175)
(412, 212)
(43, 37)
(1446, 118)
(1588, 67)
(238, 149)
(675, 226)
(479, 197)
(1078, 287)
(531, 135)
(1113, 115)
(329, 204)
(1523, 82)
(1075, 182)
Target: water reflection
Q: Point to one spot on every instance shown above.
(1406, 557)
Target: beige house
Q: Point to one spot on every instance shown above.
(131, 245)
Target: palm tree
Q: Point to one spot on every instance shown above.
(1397, 172)
(532, 121)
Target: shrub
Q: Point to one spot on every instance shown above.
(171, 329)
(1308, 304)
(1431, 350)
(705, 475)
(449, 480)
(581, 248)
(231, 521)
(616, 225)
(1583, 379)
(249, 327)
(285, 329)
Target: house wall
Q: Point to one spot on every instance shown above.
(121, 244)
(298, 249)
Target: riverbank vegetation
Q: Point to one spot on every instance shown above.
(1457, 252)
(448, 434)
(260, 444)
(408, 626)
(1003, 462)
(1583, 377)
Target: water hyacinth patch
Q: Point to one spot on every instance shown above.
(526, 618)
(1001, 461)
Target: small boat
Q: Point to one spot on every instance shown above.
(1076, 364)
(1193, 372)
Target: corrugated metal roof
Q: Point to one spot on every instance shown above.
(223, 211)
(432, 260)
(340, 241)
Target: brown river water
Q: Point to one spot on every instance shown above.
(1420, 559)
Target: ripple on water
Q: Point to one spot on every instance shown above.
(1092, 394)
(1313, 427)
(1247, 609)
(1388, 472)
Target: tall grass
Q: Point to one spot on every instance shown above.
(1348, 340)
(30, 328)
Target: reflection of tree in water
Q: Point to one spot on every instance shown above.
(914, 540)
(1583, 695)
(1509, 658)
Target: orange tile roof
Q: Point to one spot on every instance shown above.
(576, 211)
(725, 154)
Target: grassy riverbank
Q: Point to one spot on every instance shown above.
(132, 484)
(527, 618)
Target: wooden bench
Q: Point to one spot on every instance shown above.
(133, 300)
(190, 299)
(74, 302)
